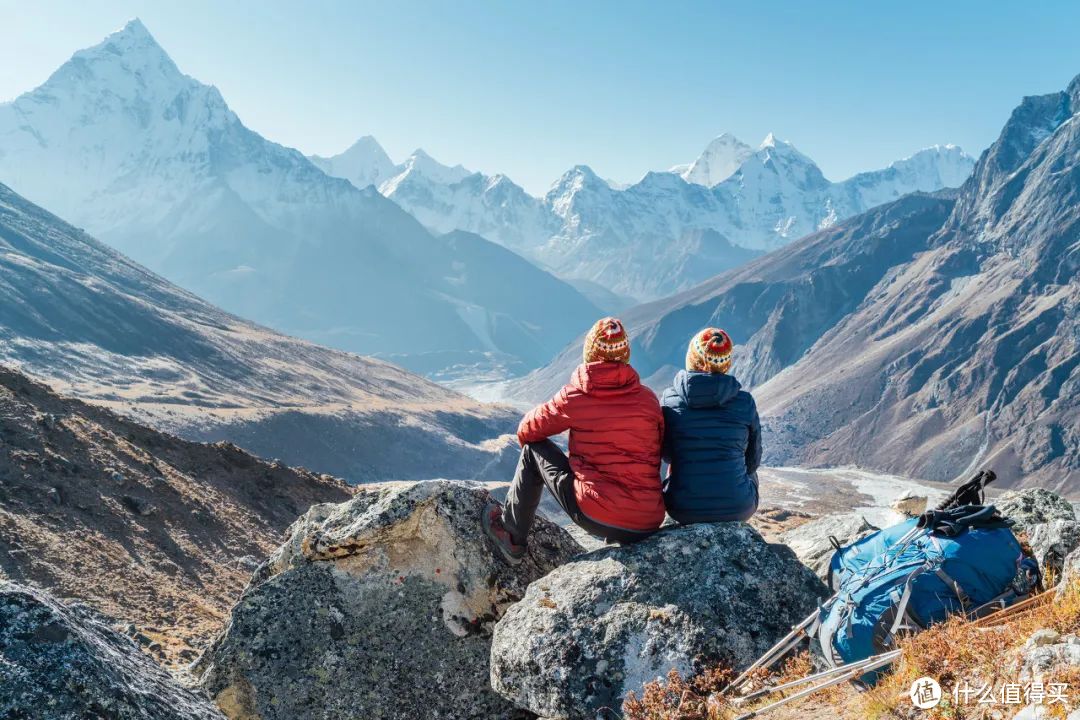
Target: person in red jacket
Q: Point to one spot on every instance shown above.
(610, 484)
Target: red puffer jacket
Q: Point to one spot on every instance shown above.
(616, 430)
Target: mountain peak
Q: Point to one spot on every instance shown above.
(769, 141)
(134, 28)
(128, 62)
(434, 170)
(719, 161)
(133, 38)
(364, 163)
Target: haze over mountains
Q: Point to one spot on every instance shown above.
(94, 324)
(926, 337)
(664, 233)
(120, 142)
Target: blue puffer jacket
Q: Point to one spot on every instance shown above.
(712, 440)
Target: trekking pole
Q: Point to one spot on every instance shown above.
(777, 651)
(847, 667)
(851, 674)
(1023, 606)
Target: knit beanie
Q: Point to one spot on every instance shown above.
(709, 351)
(607, 342)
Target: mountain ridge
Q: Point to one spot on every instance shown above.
(155, 163)
(644, 240)
(96, 325)
(927, 337)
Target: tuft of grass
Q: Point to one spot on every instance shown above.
(957, 651)
(953, 651)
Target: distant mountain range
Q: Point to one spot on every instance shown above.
(665, 233)
(928, 337)
(95, 325)
(120, 142)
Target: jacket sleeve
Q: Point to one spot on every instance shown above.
(545, 420)
(753, 447)
(665, 423)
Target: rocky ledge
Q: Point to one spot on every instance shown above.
(687, 598)
(380, 607)
(62, 662)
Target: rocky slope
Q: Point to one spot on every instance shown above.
(775, 307)
(924, 337)
(970, 352)
(120, 142)
(157, 532)
(96, 325)
(665, 233)
(64, 662)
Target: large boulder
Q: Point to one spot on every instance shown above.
(380, 607)
(812, 544)
(1032, 506)
(687, 598)
(60, 662)
(1052, 542)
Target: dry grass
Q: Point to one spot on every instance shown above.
(958, 651)
(954, 651)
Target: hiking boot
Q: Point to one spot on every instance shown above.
(500, 537)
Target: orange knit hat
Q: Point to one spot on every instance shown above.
(709, 351)
(607, 341)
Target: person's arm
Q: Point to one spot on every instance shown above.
(665, 444)
(545, 420)
(753, 447)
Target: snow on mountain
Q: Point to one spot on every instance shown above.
(155, 163)
(929, 337)
(364, 163)
(720, 160)
(422, 164)
(940, 166)
(670, 230)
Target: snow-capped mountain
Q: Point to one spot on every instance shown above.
(929, 337)
(670, 230)
(156, 164)
(364, 163)
(721, 159)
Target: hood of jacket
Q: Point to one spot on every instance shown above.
(605, 378)
(698, 389)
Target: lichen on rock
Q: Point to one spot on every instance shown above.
(687, 598)
(59, 662)
(380, 607)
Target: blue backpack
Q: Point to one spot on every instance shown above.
(962, 561)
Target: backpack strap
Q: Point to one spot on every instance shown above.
(962, 596)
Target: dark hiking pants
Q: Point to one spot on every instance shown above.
(544, 464)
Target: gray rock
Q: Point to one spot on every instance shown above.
(1045, 636)
(1048, 653)
(1032, 506)
(687, 598)
(65, 662)
(1070, 572)
(380, 607)
(811, 544)
(1052, 542)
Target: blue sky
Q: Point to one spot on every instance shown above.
(531, 88)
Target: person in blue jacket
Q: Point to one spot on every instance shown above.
(712, 437)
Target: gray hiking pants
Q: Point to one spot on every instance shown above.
(544, 464)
